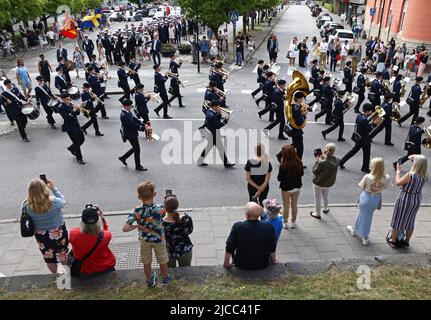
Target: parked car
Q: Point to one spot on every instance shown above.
(160, 13)
(320, 22)
(116, 17)
(328, 27)
(343, 35)
(144, 12)
(152, 12)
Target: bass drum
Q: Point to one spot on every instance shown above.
(54, 103)
(30, 111)
(74, 93)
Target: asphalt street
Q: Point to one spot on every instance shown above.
(105, 181)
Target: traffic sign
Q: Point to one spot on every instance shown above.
(233, 15)
(372, 12)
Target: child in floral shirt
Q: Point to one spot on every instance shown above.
(149, 218)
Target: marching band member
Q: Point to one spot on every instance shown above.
(43, 96)
(387, 121)
(86, 96)
(360, 84)
(299, 118)
(214, 121)
(66, 74)
(268, 89)
(396, 88)
(318, 88)
(210, 93)
(348, 76)
(377, 90)
(60, 82)
(326, 101)
(414, 141)
(71, 126)
(362, 139)
(95, 83)
(122, 81)
(260, 78)
(174, 88)
(219, 79)
(314, 73)
(338, 115)
(264, 75)
(13, 98)
(141, 103)
(135, 66)
(415, 94)
(130, 127)
(278, 99)
(159, 83)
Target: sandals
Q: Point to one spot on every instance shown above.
(391, 243)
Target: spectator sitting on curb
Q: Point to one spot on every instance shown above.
(251, 243)
(149, 218)
(271, 214)
(84, 238)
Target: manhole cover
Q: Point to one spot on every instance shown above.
(128, 256)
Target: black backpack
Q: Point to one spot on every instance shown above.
(27, 225)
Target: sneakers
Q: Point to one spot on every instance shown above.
(285, 225)
(352, 230)
(293, 225)
(364, 242)
(153, 280)
(167, 280)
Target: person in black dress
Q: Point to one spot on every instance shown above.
(302, 54)
(258, 174)
(45, 70)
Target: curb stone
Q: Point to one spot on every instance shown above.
(6, 128)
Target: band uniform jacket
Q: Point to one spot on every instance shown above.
(268, 88)
(260, 76)
(141, 105)
(363, 128)
(396, 90)
(88, 46)
(388, 112)
(360, 83)
(314, 72)
(174, 66)
(122, 78)
(15, 106)
(348, 74)
(60, 83)
(131, 125)
(376, 88)
(65, 72)
(298, 117)
(134, 66)
(61, 53)
(159, 82)
(278, 99)
(338, 109)
(210, 95)
(415, 136)
(95, 65)
(328, 95)
(214, 121)
(86, 97)
(70, 119)
(41, 96)
(218, 79)
(94, 82)
(416, 93)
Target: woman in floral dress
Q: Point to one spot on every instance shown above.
(78, 58)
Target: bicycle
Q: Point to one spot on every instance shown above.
(11, 54)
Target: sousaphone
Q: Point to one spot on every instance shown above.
(299, 83)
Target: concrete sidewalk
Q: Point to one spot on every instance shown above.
(326, 239)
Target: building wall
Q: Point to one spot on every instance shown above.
(417, 22)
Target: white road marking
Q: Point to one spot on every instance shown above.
(200, 90)
(246, 91)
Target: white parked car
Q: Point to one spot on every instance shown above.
(152, 12)
(160, 13)
(343, 35)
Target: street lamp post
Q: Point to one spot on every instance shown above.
(382, 8)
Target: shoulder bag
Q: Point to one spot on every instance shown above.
(27, 224)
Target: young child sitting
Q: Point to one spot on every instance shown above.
(271, 214)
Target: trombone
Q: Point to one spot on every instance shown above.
(220, 93)
(227, 112)
(81, 108)
(177, 77)
(94, 96)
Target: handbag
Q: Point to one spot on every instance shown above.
(75, 264)
(338, 57)
(26, 223)
(345, 80)
(371, 96)
(123, 137)
(273, 107)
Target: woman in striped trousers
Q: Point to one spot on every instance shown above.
(408, 201)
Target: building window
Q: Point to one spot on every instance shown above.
(403, 15)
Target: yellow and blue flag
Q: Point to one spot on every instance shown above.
(93, 20)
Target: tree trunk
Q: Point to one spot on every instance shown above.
(45, 21)
(244, 24)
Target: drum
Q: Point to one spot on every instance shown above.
(30, 111)
(74, 93)
(70, 65)
(54, 103)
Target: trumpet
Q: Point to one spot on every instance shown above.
(220, 93)
(81, 108)
(94, 96)
(226, 111)
(424, 96)
(223, 72)
(153, 97)
(131, 71)
(427, 141)
(377, 116)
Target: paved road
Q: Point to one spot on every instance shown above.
(106, 182)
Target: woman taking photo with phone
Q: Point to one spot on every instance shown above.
(409, 200)
(257, 174)
(43, 204)
(372, 185)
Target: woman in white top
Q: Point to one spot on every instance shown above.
(171, 34)
(103, 62)
(372, 185)
(214, 47)
(293, 52)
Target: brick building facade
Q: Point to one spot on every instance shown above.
(407, 21)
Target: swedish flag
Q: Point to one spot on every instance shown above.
(93, 20)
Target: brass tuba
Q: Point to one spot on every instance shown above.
(299, 83)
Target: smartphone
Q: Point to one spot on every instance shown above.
(168, 192)
(43, 177)
(317, 152)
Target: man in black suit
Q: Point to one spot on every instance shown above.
(387, 121)
(214, 121)
(14, 102)
(61, 52)
(277, 100)
(71, 126)
(268, 89)
(396, 88)
(43, 96)
(415, 94)
(360, 84)
(95, 83)
(377, 90)
(123, 81)
(362, 139)
(159, 83)
(134, 66)
(326, 101)
(88, 46)
(141, 103)
(338, 116)
(155, 49)
(60, 82)
(108, 50)
(130, 127)
(413, 143)
(66, 74)
(89, 99)
(348, 76)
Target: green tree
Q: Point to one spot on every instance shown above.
(5, 13)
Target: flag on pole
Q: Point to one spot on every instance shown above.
(69, 28)
(93, 20)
